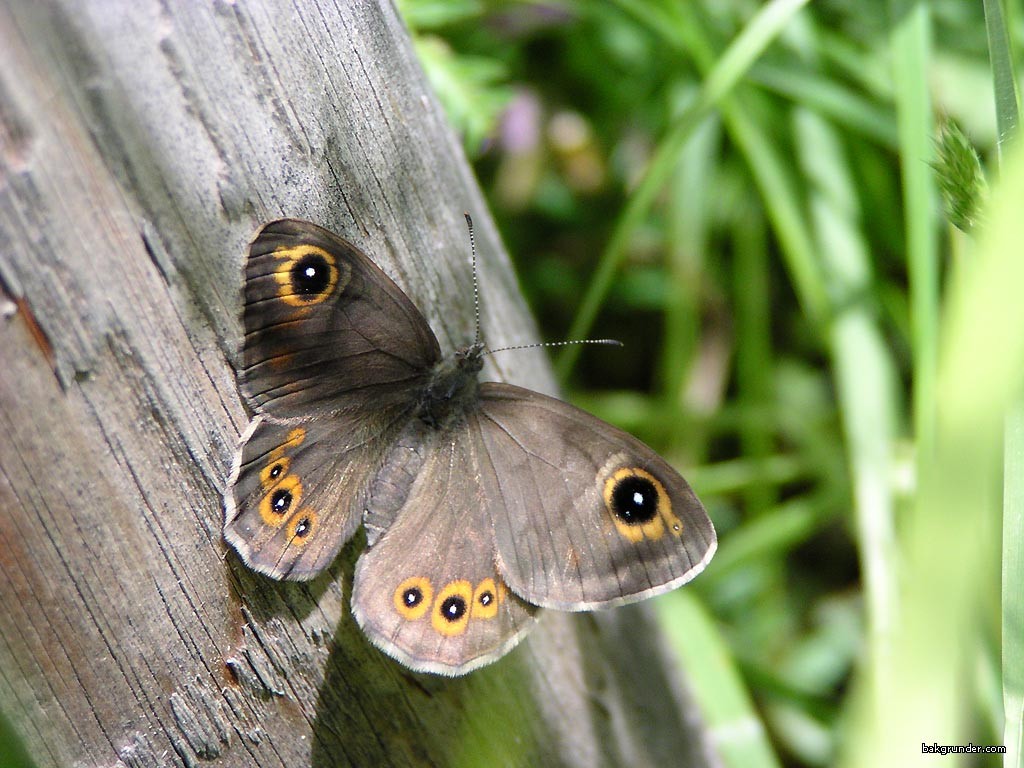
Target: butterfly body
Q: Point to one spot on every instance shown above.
(452, 388)
(482, 501)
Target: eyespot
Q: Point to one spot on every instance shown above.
(639, 505)
(302, 527)
(311, 275)
(485, 600)
(277, 463)
(452, 607)
(413, 597)
(274, 471)
(280, 499)
(307, 275)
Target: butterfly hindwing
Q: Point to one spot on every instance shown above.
(298, 490)
(428, 591)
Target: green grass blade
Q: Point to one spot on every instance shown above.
(734, 722)
(773, 174)
(768, 536)
(1007, 118)
(893, 723)
(1003, 78)
(778, 188)
(755, 365)
(687, 238)
(864, 370)
(911, 51)
(836, 101)
(910, 45)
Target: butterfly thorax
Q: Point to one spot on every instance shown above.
(452, 388)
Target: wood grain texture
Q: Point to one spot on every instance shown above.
(142, 144)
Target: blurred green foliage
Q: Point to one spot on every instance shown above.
(751, 194)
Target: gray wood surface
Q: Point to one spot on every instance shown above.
(142, 144)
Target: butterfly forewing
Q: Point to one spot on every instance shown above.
(584, 515)
(326, 329)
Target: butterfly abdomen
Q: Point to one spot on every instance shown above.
(393, 482)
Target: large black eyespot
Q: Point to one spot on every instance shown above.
(307, 274)
(450, 616)
(639, 505)
(281, 501)
(311, 275)
(453, 608)
(634, 500)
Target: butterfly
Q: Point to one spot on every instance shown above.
(482, 501)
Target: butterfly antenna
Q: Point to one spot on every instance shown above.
(476, 287)
(607, 342)
(476, 309)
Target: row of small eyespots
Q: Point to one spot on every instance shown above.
(282, 493)
(455, 604)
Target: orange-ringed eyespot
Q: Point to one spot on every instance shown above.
(412, 597)
(307, 275)
(451, 614)
(485, 600)
(301, 527)
(280, 499)
(270, 473)
(639, 505)
(311, 275)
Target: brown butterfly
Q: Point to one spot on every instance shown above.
(482, 501)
